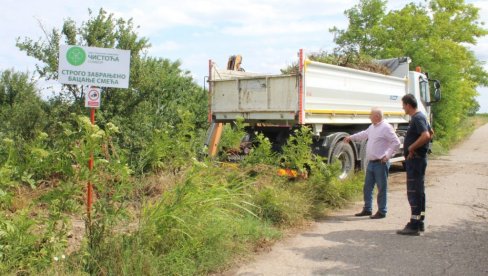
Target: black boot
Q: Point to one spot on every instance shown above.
(411, 229)
(421, 222)
(421, 226)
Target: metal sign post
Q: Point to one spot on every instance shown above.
(89, 186)
(92, 100)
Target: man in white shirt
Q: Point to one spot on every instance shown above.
(381, 146)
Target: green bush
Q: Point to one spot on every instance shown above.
(171, 148)
(24, 246)
(296, 153)
(261, 153)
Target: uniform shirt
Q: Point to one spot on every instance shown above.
(418, 124)
(382, 140)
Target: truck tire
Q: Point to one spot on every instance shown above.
(344, 153)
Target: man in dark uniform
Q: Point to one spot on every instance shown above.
(415, 147)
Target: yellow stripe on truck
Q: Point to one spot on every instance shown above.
(352, 112)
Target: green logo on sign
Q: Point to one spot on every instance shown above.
(76, 56)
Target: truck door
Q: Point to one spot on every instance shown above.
(419, 87)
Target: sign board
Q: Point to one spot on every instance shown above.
(94, 66)
(92, 97)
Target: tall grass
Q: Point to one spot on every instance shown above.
(197, 227)
(199, 224)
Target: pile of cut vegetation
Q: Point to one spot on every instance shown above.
(354, 61)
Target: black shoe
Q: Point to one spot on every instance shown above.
(409, 230)
(363, 213)
(378, 215)
(421, 226)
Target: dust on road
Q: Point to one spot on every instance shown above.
(455, 241)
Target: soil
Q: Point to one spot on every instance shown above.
(455, 241)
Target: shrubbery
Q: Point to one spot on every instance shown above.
(202, 219)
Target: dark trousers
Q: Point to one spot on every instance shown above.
(415, 185)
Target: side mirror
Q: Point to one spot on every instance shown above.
(437, 91)
(437, 84)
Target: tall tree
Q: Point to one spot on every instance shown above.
(21, 109)
(360, 37)
(101, 30)
(158, 89)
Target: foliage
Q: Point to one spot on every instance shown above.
(232, 136)
(8, 170)
(296, 153)
(110, 178)
(102, 30)
(282, 207)
(21, 110)
(261, 152)
(166, 103)
(159, 90)
(194, 228)
(171, 148)
(197, 226)
(201, 223)
(340, 58)
(26, 247)
(442, 146)
(17, 243)
(360, 36)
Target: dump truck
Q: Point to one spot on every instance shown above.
(334, 101)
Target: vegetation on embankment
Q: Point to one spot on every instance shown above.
(193, 220)
(160, 206)
(442, 145)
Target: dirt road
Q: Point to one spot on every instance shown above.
(455, 241)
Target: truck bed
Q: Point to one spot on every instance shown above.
(328, 94)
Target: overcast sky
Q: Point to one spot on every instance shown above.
(267, 33)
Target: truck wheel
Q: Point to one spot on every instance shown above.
(343, 153)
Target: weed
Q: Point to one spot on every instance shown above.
(261, 153)
(296, 153)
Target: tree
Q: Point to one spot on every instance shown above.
(435, 36)
(158, 89)
(21, 109)
(360, 36)
(102, 30)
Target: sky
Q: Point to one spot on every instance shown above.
(267, 33)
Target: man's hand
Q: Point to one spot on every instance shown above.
(347, 139)
(411, 153)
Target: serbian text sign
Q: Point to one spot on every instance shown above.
(94, 66)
